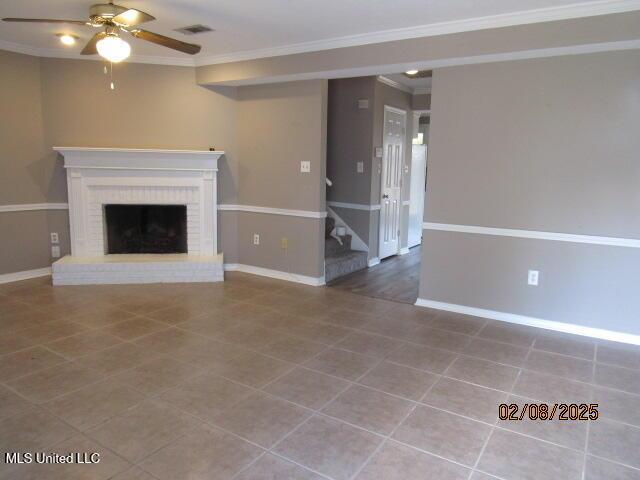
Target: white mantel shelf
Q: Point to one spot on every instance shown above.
(103, 176)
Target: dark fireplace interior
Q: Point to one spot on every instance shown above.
(146, 228)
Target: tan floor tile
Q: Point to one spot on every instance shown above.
(32, 431)
(101, 316)
(341, 363)
(399, 462)
(484, 373)
(347, 318)
(12, 342)
(134, 328)
(83, 344)
(597, 469)
(12, 404)
(203, 454)
(210, 325)
(317, 331)
(178, 313)
(134, 473)
(209, 354)
(560, 365)
(571, 434)
(92, 405)
(615, 441)
(142, 430)
(27, 361)
(457, 322)
(535, 460)
(306, 387)
(399, 380)
(548, 388)
(497, 351)
(509, 333)
(171, 341)
(116, 359)
(369, 409)
(620, 378)
(270, 467)
(51, 331)
(329, 447)
(250, 335)
(423, 358)
(556, 342)
(292, 349)
(432, 337)
(206, 395)
(399, 328)
(479, 403)
(620, 355)
(253, 369)
(45, 385)
(368, 344)
(157, 375)
(444, 434)
(617, 405)
(262, 419)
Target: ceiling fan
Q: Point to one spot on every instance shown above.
(113, 19)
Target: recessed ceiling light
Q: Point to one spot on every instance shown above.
(411, 72)
(67, 39)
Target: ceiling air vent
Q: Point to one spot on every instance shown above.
(194, 29)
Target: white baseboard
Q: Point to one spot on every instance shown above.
(280, 275)
(404, 250)
(372, 262)
(25, 275)
(532, 321)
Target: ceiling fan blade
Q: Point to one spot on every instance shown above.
(168, 42)
(90, 48)
(132, 17)
(45, 20)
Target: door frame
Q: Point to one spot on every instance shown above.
(399, 111)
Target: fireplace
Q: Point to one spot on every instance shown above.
(146, 228)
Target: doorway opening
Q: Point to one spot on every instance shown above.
(377, 143)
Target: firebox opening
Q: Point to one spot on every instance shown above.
(146, 228)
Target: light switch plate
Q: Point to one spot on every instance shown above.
(378, 152)
(363, 103)
(533, 277)
(360, 167)
(256, 239)
(55, 251)
(305, 166)
(54, 238)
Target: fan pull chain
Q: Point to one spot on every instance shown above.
(113, 87)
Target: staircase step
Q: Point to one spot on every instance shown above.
(329, 224)
(343, 263)
(332, 246)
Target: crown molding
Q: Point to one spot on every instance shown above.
(548, 14)
(394, 84)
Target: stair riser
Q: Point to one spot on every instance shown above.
(341, 269)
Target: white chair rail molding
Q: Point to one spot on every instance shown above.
(140, 216)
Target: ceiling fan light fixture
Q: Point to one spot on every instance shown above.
(67, 39)
(113, 48)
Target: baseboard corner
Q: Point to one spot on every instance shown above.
(24, 275)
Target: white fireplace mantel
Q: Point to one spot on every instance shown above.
(100, 176)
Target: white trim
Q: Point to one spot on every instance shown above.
(404, 250)
(406, 203)
(372, 262)
(272, 211)
(546, 14)
(559, 237)
(393, 84)
(353, 206)
(27, 207)
(280, 275)
(356, 242)
(25, 275)
(532, 321)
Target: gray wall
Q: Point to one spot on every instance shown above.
(57, 102)
(546, 145)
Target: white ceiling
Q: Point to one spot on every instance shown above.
(259, 28)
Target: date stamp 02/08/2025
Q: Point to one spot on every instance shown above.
(545, 411)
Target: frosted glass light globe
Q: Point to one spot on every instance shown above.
(113, 48)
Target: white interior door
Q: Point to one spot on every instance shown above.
(416, 194)
(394, 134)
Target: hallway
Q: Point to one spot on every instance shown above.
(395, 278)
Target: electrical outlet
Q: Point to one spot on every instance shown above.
(305, 166)
(55, 251)
(533, 277)
(54, 238)
(284, 243)
(360, 167)
(256, 239)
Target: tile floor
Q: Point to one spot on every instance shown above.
(261, 379)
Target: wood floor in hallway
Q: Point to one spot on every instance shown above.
(395, 278)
